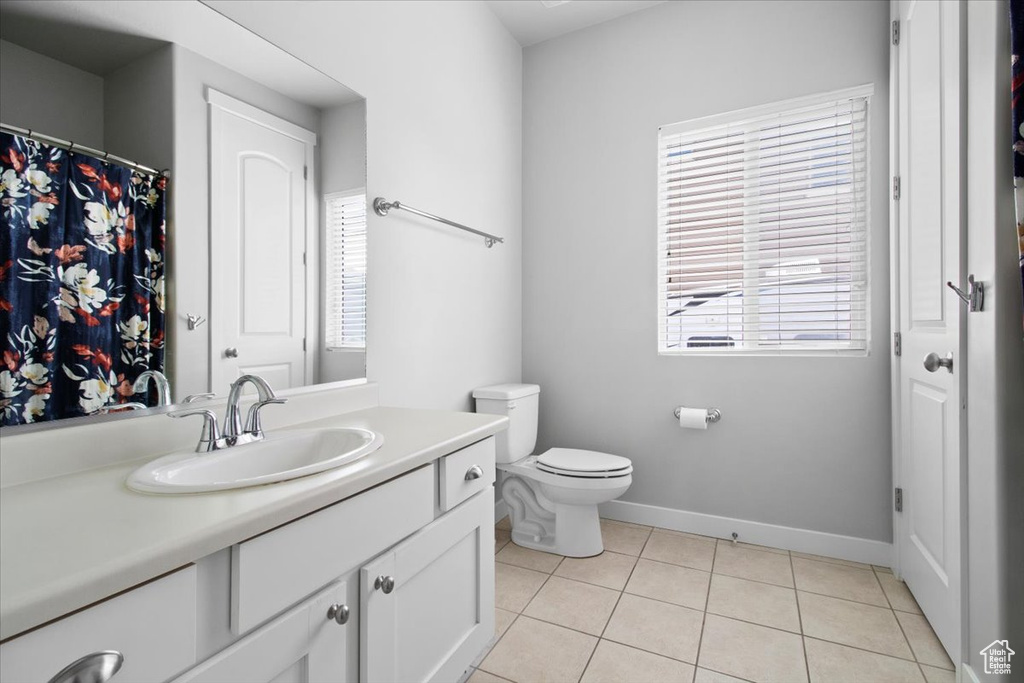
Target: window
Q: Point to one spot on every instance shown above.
(345, 320)
(763, 229)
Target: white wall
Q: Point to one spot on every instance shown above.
(803, 442)
(443, 85)
(995, 379)
(342, 167)
(50, 97)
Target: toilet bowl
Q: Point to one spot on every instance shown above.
(552, 498)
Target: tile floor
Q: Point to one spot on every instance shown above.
(661, 605)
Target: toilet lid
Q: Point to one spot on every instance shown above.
(583, 463)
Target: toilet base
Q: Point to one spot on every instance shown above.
(577, 533)
(556, 514)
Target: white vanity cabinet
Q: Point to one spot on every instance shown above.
(427, 605)
(395, 583)
(153, 627)
(305, 645)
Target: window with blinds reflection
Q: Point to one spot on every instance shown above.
(763, 229)
(345, 271)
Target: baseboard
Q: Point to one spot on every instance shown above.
(500, 510)
(788, 538)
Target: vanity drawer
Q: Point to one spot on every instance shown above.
(152, 626)
(457, 477)
(277, 569)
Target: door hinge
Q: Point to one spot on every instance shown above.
(896, 32)
(303, 258)
(898, 499)
(305, 172)
(895, 187)
(897, 344)
(303, 343)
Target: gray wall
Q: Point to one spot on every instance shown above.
(342, 167)
(995, 380)
(443, 85)
(593, 102)
(50, 97)
(138, 110)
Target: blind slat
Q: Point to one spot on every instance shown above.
(345, 279)
(762, 229)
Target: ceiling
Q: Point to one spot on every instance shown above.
(531, 22)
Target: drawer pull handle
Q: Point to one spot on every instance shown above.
(98, 667)
(338, 613)
(474, 472)
(384, 583)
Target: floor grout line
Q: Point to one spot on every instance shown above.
(862, 649)
(800, 620)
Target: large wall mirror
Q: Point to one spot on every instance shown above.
(182, 202)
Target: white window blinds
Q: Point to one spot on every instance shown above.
(762, 229)
(345, 269)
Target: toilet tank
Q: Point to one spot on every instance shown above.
(519, 402)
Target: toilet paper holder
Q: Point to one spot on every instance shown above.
(714, 415)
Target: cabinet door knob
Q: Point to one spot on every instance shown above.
(384, 583)
(338, 612)
(474, 472)
(231, 352)
(97, 667)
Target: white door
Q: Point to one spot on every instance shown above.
(432, 612)
(258, 201)
(931, 316)
(304, 645)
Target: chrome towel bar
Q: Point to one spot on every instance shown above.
(381, 206)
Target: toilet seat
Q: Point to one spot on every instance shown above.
(573, 462)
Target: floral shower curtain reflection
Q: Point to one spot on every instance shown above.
(81, 281)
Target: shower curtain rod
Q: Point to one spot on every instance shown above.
(72, 146)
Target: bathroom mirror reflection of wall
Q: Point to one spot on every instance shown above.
(247, 255)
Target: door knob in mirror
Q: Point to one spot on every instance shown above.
(933, 362)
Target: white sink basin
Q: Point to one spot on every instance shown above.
(281, 456)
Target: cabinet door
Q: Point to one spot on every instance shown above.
(439, 614)
(304, 645)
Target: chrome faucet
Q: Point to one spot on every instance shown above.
(234, 433)
(163, 387)
(253, 430)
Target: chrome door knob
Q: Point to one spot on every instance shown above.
(338, 613)
(384, 583)
(932, 362)
(231, 352)
(474, 472)
(98, 667)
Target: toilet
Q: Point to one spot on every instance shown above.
(552, 498)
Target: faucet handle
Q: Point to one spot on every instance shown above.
(210, 435)
(253, 425)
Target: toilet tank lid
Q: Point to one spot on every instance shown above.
(507, 392)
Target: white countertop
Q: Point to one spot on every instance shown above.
(72, 540)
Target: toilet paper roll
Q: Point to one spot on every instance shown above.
(693, 418)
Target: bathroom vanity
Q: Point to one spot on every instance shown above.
(382, 570)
